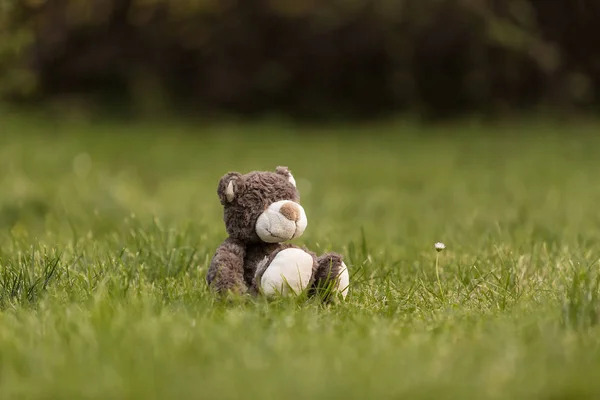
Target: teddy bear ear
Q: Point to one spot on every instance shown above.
(229, 186)
(286, 172)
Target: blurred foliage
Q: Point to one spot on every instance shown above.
(303, 57)
(16, 42)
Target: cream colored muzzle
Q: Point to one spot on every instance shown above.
(281, 221)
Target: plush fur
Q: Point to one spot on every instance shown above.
(243, 258)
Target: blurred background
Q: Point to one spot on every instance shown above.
(304, 59)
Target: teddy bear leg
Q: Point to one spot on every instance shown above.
(289, 271)
(331, 277)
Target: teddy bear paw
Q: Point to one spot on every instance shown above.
(290, 272)
(342, 282)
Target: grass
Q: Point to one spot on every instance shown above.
(106, 231)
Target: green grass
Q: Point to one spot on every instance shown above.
(106, 232)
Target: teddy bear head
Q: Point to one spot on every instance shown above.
(262, 206)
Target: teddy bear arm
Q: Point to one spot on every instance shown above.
(226, 270)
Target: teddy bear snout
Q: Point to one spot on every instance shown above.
(281, 221)
(291, 211)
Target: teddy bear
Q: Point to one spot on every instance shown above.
(262, 213)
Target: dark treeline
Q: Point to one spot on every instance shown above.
(304, 57)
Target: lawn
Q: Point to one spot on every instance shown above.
(107, 229)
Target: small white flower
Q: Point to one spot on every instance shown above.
(439, 246)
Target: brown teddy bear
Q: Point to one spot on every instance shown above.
(261, 212)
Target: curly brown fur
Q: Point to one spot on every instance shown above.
(226, 272)
(329, 266)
